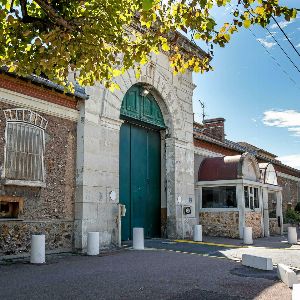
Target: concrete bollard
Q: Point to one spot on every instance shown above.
(286, 275)
(93, 243)
(257, 262)
(248, 240)
(296, 291)
(198, 233)
(292, 235)
(37, 255)
(138, 238)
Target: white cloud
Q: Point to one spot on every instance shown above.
(282, 24)
(289, 119)
(298, 46)
(273, 33)
(296, 130)
(291, 160)
(266, 44)
(285, 118)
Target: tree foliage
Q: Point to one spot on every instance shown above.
(103, 38)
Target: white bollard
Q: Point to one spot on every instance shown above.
(138, 238)
(93, 243)
(248, 240)
(292, 235)
(37, 255)
(296, 291)
(198, 233)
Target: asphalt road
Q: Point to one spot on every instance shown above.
(128, 274)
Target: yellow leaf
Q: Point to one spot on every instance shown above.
(259, 10)
(116, 72)
(165, 47)
(247, 23)
(12, 69)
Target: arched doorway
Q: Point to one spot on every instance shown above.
(140, 162)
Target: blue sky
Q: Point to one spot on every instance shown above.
(260, 103)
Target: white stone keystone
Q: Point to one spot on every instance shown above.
(292, 235)
(198, 233)
(257, 262)
(93, 243)
(37, 255)
(138, 238)
(248, 240)
(286, 275)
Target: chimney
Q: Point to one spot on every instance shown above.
(214, 128)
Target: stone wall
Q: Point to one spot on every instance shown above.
(253, 219)
(49, 209)
(224, 224)
(15, 236)
(290, 192)
(274, 229)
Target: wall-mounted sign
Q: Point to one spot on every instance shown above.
(179, 200)
(187, 210)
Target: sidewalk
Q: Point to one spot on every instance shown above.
(275, 247)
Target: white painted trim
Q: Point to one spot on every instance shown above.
(283, 175)
(24, 183)
(219, 183)
(24, 101)
(221, 209)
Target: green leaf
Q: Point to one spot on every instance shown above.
(147, 4)
(227, 37)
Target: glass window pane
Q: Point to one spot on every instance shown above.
(246, 194)
(256, 199)
(251, 202)
(219, 197)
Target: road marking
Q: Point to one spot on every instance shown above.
(194, 253)
(211, 244)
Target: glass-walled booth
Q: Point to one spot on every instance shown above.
(231, 194)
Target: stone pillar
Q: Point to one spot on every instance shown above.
(279, 209)
(97, 173)
(241, 207)
(180, 182)
(265, 207)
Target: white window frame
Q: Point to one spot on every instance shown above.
(251, 194)
(27, 118)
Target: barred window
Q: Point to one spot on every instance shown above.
(25, 145)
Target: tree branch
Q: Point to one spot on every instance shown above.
(52, 14)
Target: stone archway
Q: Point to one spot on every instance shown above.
(98, 149)
(140, 162)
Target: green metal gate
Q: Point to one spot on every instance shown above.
(140, 165)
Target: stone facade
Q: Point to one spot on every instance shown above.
(98, 151)
(46, 209)
(273, 225)
(290, 191)
(224, 224)
(253, 219)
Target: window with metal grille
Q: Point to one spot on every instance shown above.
(25, 145)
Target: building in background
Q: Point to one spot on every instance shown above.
(262, 187)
